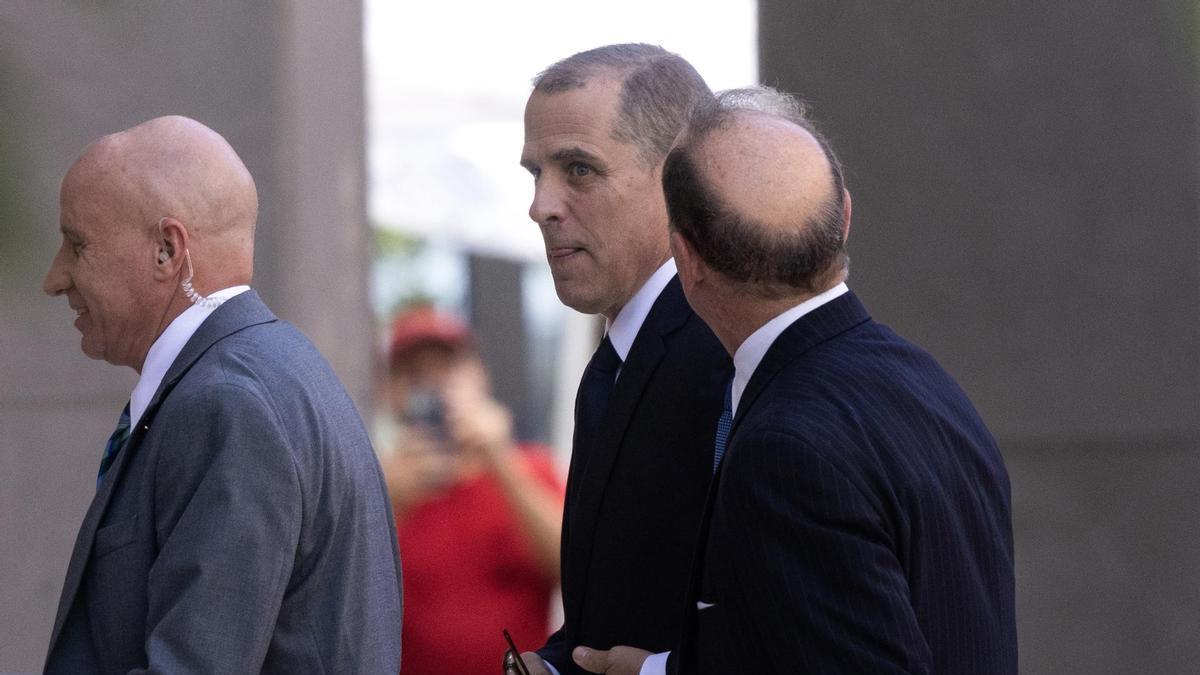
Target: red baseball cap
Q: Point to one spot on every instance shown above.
(423, 326)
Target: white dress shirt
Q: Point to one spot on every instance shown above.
(624, 329)
(751, 352)
(166, 349)
(745, 361)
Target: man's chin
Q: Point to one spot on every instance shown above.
(92, 351)
(578, 302)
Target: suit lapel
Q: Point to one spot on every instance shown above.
(235, 314)
(595, 464)
(823, 323)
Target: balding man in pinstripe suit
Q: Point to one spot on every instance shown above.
(860, 517)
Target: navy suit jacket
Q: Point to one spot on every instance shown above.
(244, 527)
(860, 521)
(635, 496)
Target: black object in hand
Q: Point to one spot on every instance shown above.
(517, 662)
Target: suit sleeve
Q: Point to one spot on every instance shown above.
(816, 580)
(228, 519)
(556, 651)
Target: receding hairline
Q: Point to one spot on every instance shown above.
(613, 60)
(655, 91)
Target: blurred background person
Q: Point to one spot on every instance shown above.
(478, 514)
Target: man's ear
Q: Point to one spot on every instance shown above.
(845, 215)
(172, 244)
(690, 267)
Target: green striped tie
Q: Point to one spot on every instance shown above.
(114, 445)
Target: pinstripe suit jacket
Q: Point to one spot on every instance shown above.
(635, 494)
(860, 521)
(244, 527)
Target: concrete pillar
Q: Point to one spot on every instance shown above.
(283, 83)
(1025, 206)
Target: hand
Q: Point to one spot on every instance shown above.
(616, 661)
(415, 471)
(478, 423)
(533, 662)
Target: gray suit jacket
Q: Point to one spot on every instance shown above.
(244, 526)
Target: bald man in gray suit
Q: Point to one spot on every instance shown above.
(240, 522)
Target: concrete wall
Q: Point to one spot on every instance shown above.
(282, 82)
(1025, 206)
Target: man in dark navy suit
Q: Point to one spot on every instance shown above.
(597, 128)
(860, 517)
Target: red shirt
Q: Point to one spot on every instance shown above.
(470, 571)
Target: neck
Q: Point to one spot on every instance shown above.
(178, 305)
(612, 312)
(735, 314)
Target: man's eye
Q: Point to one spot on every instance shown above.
(578, 170)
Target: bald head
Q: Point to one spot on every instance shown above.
(174, 167)
(149, 217)
(768, 167)
(757, 192)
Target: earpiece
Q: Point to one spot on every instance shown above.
(162, 256)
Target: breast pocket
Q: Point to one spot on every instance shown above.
(114, 536)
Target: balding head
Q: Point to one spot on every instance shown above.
(758, 194)
(768, 167)
(141, 209)
(175, 167)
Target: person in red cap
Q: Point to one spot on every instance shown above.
(479, 515)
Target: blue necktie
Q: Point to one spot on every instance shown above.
(114, 445)
(596, 388)
(723, 426)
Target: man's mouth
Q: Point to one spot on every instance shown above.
(563, 251)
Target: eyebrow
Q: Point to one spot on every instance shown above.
(567, 154)
(575, 153)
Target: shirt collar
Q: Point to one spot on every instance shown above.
(752, 351)
(167, 347)
(622, 331)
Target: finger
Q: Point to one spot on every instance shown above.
(535, 664)
(591, 660)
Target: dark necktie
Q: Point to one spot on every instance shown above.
(723, 426)
(114, 445)
(596, 388)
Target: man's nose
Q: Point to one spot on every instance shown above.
(57, 279)
(547, 204)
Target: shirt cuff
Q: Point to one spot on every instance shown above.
(550, 667)
(655, 664)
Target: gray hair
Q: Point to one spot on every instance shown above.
(658, 91)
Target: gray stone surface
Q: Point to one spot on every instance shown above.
(1106, 556)
(1026, 207)
(283, 83)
